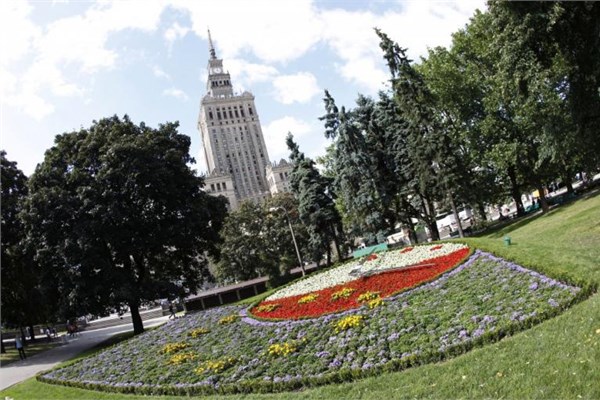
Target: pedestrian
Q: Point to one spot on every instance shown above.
(172, 311)
(20, 349)
(48, 334)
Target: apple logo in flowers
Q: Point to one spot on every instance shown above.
(364, 282)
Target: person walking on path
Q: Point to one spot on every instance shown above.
(20, 349)
(172, 311)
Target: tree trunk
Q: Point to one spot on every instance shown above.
(32, 333)
(481, 211)
(2, 348)
(336, 242)
(138, 325)
(430, 220)
(433, 230)
(456, 217)
(412, 235)
(543, 202)
(515, 191)
(569, 184)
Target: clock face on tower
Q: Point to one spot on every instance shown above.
(217, 70)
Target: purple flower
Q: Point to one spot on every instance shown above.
(553, 303)
(533, 286)
(322, 354)
(478, 332)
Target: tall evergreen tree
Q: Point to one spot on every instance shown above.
(315, 204)
(360, 168)
(433, 164)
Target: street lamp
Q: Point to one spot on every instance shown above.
(273, 209)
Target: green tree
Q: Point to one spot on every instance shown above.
(118, 217)
(357, 159)
(245, 250)
(457, 80)
(22, 300)
(315, 204)
(432, 162)
(550, 68)
(256, 241)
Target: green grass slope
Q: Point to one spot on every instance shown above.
(556, 359)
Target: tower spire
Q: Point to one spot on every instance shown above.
(213, 55)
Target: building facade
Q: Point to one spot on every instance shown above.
(234, 146)
(278, 175)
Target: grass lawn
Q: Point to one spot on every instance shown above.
(556, 359)
(31, 349)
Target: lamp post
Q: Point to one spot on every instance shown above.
(272, 209)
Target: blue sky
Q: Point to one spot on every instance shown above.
(65, 64)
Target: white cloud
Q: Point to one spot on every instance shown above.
(17, 31)
(426, 24)
(78, 43)
(175, 32)
(297, 88)
(415, 25)
(247, 73)
(159, 73)
(177, 93)
(274, 31)
(276, 131)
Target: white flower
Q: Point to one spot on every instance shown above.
(384, 261)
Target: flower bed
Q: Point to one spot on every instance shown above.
(383, 262)
(392, 273)
(478, 302)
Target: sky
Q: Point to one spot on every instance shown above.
(65, 64)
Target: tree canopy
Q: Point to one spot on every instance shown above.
(23, 300)
(117, 217)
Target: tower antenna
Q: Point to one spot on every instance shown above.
(211, 47)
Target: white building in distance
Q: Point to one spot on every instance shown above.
(278, 175)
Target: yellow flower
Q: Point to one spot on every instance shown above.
(308, 298)
(376, 302)
(181, 358)
(173, 347)
(367, 296)
(228, 320)
(343, 293)
(197, 332)
(282, 349)
(215, 366)
(267, 307)
(348, 322)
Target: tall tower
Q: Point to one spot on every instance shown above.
(232, 137)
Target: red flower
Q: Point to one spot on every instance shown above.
(406, 250)
(434, 248)
(386, 283)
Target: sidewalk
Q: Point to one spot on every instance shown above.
(21, 370)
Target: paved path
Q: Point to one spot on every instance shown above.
(19, 371)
